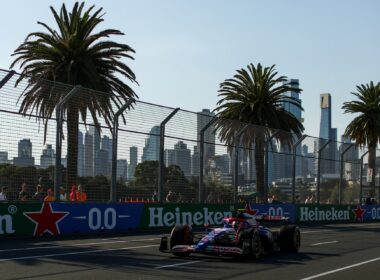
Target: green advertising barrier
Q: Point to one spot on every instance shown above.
(167, 215)
(13, 220)
(326, 213)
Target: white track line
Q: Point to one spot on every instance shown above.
(77, 245)
(340, 269)
(177, 264)
(314, 231)
(323, 243)
(75, 253)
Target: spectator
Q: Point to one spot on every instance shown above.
(62, 194)
(3, 194)
(275, 199)
(50, 196)
(170, 196)
(23, 194)
(73, 194)
(81, 195)
(39, 194)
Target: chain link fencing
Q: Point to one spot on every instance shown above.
(156, 153)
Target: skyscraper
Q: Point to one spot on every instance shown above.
(132, 162)
(351, 159)
(180, 156)
(203, 118)
(151, 151)
(195, 162)
(283, 160)
(122, 167)
(97, 160)
(48, 157)
(80, 154)
(25, 157)
(107, 146)
(88, 154)
(327, 132)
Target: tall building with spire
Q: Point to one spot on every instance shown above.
(329, 133)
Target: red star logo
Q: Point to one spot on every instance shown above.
(359, 213)
(249, 210)
(46, 220)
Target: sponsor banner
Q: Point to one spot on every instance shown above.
(25, 219)
(367, 213)
(92, 217)
(13, 221)
(326, 213)
(167, 215)
(286, 210)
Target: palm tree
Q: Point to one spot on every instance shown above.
(251, 108)
(76, 55)
(365, 128)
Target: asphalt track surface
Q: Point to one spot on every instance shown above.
(327, 252)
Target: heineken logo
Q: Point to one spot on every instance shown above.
(6, 224)
(315, 214)
(160, 217)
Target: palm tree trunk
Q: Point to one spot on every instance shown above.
(260, 172)
(72, 144)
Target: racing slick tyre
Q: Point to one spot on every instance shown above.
(245, 242)
(181, 235)
(289, 239)
(250, 243)
(256, 245)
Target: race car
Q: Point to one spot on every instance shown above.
(246, 235)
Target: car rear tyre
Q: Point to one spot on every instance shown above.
(290, 239)
(256, 245)
(245, 242)
(181, 235)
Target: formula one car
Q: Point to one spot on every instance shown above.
(246, 235)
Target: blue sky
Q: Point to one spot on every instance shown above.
(184, 49)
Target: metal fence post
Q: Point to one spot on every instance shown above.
(361, 176)
(114, 148)
(319, 170)
(201, 157)
(341, 170)
(7, 78)
(294, 146)
(161, 163)
(58, 140)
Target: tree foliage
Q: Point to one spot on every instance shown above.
(365, 128)
(251, 108)
(76, 53)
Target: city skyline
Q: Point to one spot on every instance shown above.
(209, 43)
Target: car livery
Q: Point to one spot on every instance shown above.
(246, 234)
